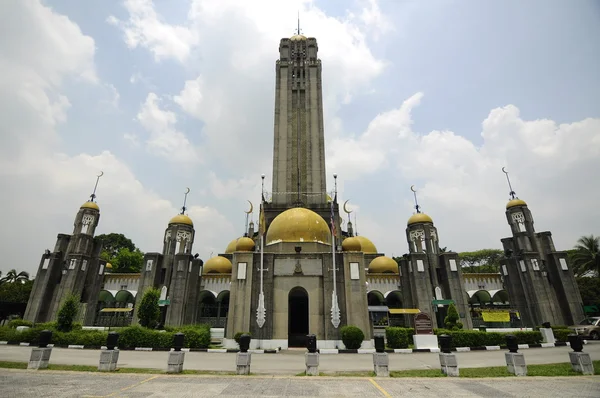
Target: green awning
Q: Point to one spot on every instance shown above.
(442, 302)
(590, 308)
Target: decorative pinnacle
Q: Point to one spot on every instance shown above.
(187, 190)
(93, 195)
(512, 193)
(417, 207)
(298, 31)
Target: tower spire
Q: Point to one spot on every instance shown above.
(187, 190)
(512, 193)
(417, 207)
(298, 32)
(93, 195)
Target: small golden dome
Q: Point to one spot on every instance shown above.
(298, 225)
(231, 246)
(181, 219)
(108, 266)
(366, 246)
(383, 265)
(90, 205)
(298, 37)
(351, 244)
(244, 244)
(419, 218)
(515, 202)
(217, 265)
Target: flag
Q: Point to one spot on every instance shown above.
(332, 220)
(262, 222)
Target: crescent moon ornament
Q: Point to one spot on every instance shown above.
(504, 170)
(187, 190)
(101, 174)
(251, 208)
(346, 209)
(412, 188)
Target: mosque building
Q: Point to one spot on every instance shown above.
(299, 272)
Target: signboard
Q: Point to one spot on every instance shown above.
(495, 316)
(423, 324)
(164, 302)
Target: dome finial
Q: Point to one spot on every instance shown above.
(512, 193)
(417, 207)
(247, 215)
(93, 195)
(298, 32)
(187, 190)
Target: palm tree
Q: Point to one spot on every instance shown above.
(12, 276)
(586, 258)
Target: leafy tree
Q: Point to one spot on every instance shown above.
(67, 313)
(586, 256)
(128, 261)
(452, 319)
(149, 311)
(590, 290)
(481, 261)
(16, 292)
(112, 244)
(12, 276)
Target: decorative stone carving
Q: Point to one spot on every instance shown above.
(519, 219)
(87, 219)
(184, 235)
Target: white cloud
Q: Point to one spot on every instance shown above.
(164, 139)
(146, 29)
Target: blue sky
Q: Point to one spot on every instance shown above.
(169, 94)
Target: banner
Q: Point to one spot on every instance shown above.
(496, 316)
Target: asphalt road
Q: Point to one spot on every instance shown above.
(292, 362)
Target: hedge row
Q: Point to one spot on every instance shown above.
(197, 336)
(402, 337)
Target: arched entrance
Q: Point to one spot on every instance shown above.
(297, 317)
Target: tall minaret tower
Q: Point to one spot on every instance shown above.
(538, 278)
(299, 144)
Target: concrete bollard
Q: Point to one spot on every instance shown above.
(176, 357)
(381, 361)
(515, 361)
(110, 356)
(243, 357)
(580, 361)
(311, 358)
(448, 361)
(547, 333)
(40, 355)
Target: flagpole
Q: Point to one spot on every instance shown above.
(335, 310)
(261, 311)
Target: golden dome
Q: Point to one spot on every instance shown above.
(217, 265)
(181, 219)
(366, 245)
(231, 246)
(351, 244)
(383, 265)
(418, 218)
(515, 202)
(298, 37)
(108, 266)
(244, 244)
(90, 205)
(298, 225)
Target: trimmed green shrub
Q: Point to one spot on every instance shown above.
(562, 334)
(352, 337)
(238, 335)
(475, 338)
(452, 319)
(67, 313)
(399, 337)
(195, 336)
(149, 311)
(19, 322)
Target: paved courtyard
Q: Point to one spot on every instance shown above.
(21, 383)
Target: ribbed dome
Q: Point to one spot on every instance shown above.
(181, 219)
(383, 265)
(231, 246)
(419, 218)
(366, 245)
(298, 37)
(298, 225)
(351, 244)
(90, 205)
(244, 244)
(515, 202)
(217, 265)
